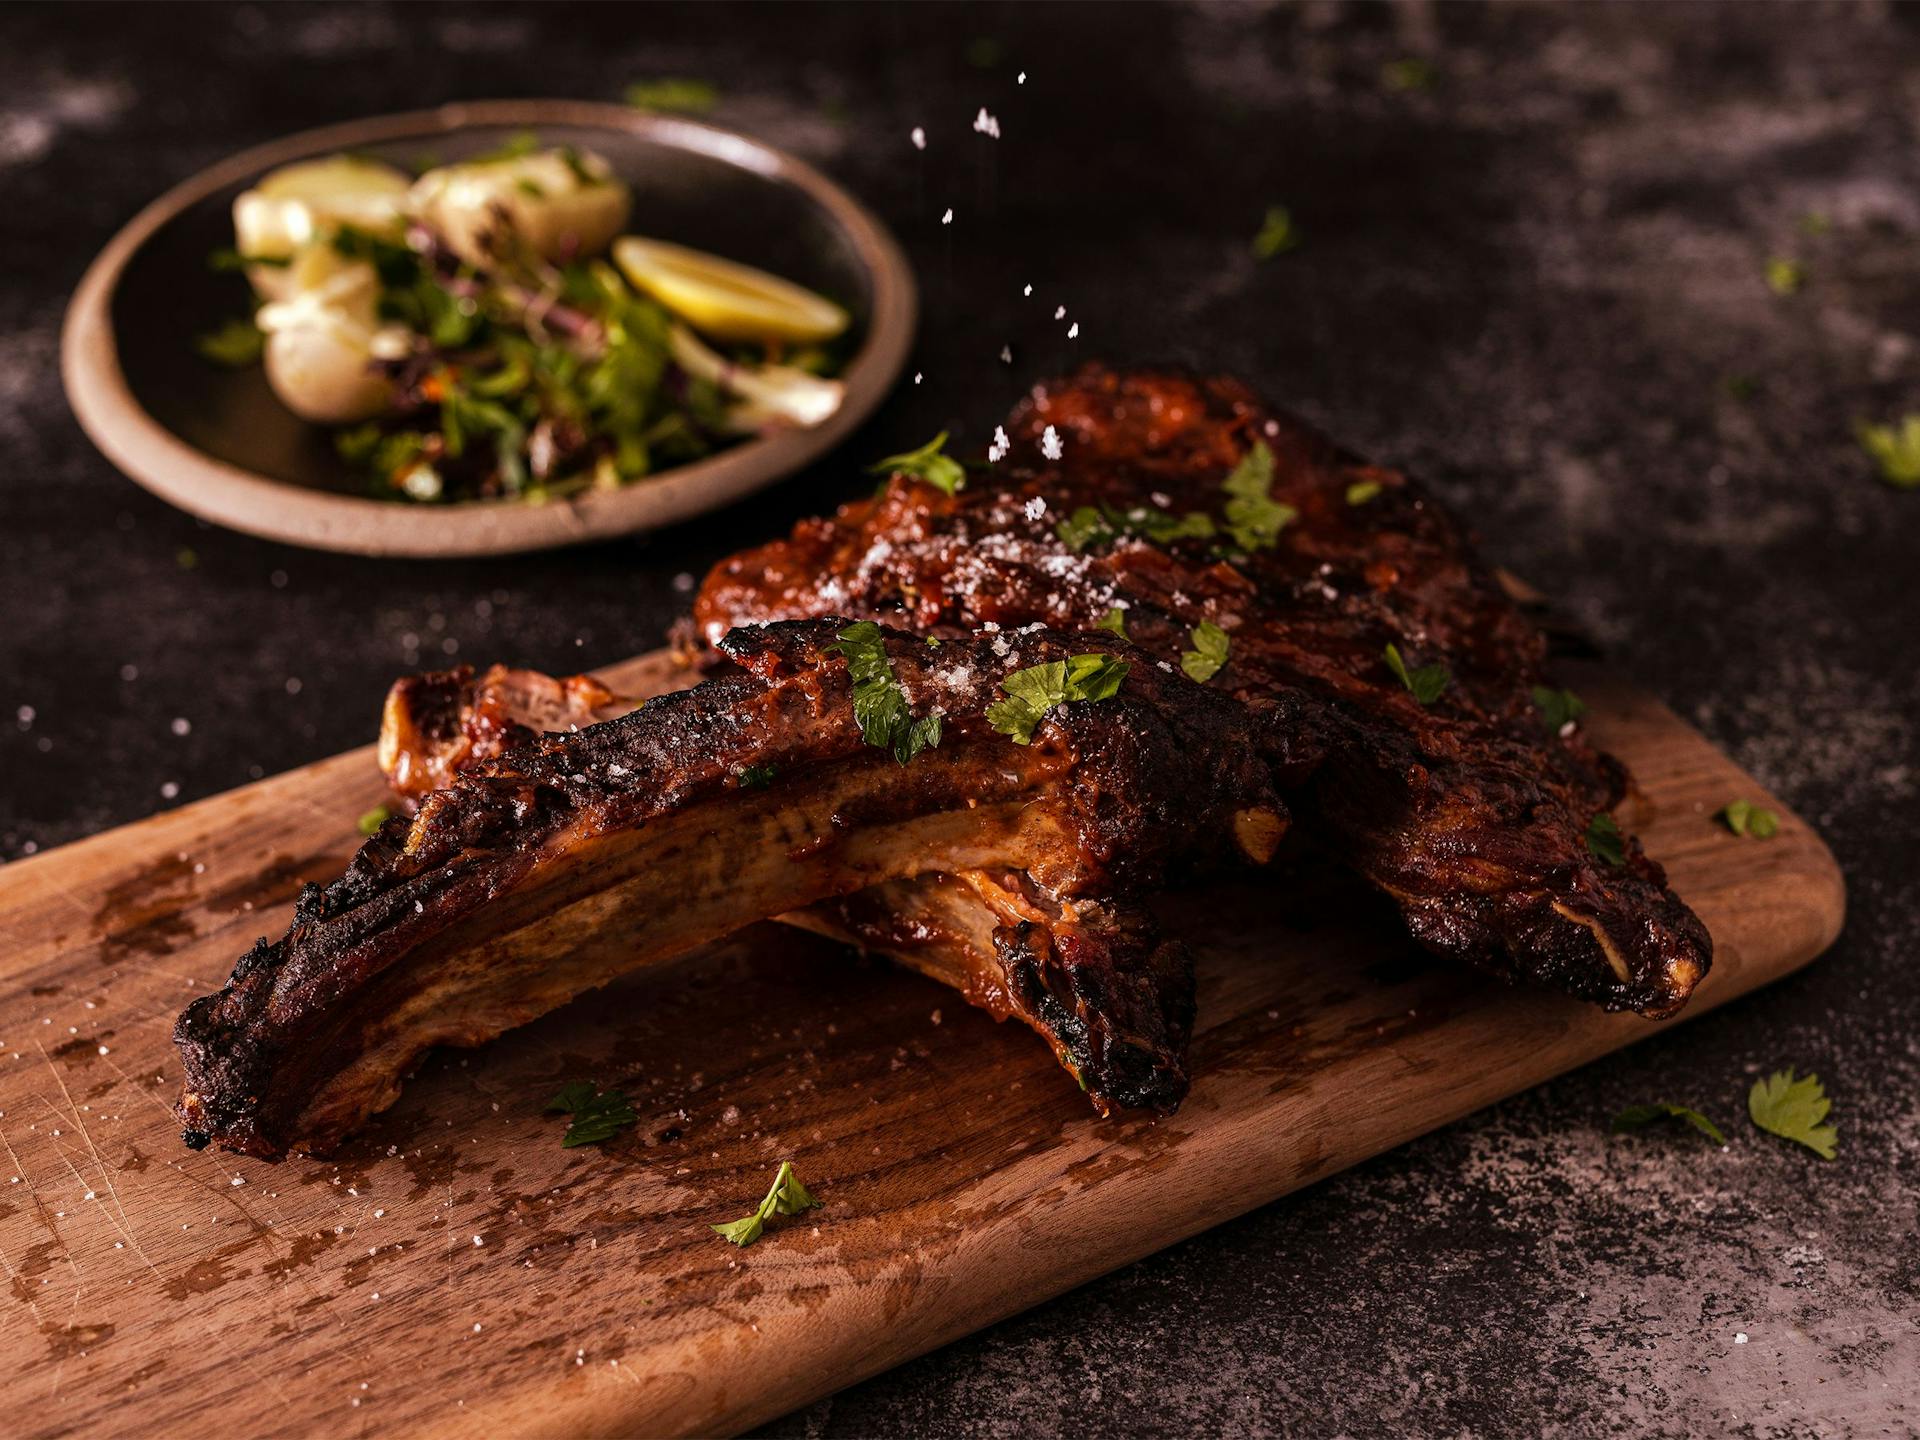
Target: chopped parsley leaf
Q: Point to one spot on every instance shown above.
(1558, 708)
(1425, 683)
(1604, 841)
(1361, 491)
(1089, 526)
(688, 97)
(1784, 276)
(226, 260)
(1794, 1109)
(1085, 526)
(1635, 1116)
(1254, 518)
(373, 819)
(879, 704)
(1209, 652)
(236, 344)
(928, 463)
(597, 1115)
(516, 146)
(1743, 817)
(1896, 450)
(1114, 620)
(1033, 692)
(787, 1197)
(1276, 235)
(757, 777)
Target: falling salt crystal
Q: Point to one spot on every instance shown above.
(916, 377)
(1006, 354)
(935, 1017)
(1021, 78)
(947, 219)
(103, 1050)
(476, 1327)
(169, 790)
(1060, 313)
(1073, 331)
(985, 124)
(181, 725)
(997, 451)
(1050, 445)
(919, 138)
(683, 582)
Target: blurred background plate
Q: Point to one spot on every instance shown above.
(217, 443)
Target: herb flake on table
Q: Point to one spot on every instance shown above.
(1209, 653)
(1424, 683)
(929, 463)
(1794, 1109)
(1743, 817)
(1895, 450)
(1785, 276)
(675, 93)
(1605, 842)
(879, 703)
(787, 1197)
(597, 1115)
(1039, 689)
(1277, 234)
(1362, 491)
(1558, 709)
(1636, 1116)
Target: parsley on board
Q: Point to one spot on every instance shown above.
(1114, 620)
(688, 97)
(373, 819)
(1361, 491)
(596, 1115)
(1743, 817)
(1209, 652)
(1277, 234)
(1254, 518)
(879, 704)
(1784, 276)
(1558, 708)
(1794, 1109)
(1033, 692)
(757, 777)
(1425, 683)
(1604, 841)
(787, 1197)
(1635, 1116)
(236, 344)
(1895, 449)
(928, 463)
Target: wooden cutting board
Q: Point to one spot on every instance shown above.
(456, 1272)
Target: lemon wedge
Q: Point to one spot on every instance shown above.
(725, 300)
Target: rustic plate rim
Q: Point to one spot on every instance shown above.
(160, 461)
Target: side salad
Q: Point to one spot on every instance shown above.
(485, 331)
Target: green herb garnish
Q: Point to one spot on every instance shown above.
(689, 97)
(1794, 1109)
(597, 1115)
(1425, 683)
(226, 260)
(1635, 1116)
(1743, 817)
(1254, 518)
(1784, 276)
(517, 146)
(1276, 235)
(757, 777)
(879, 704)
(1895, 449)
(928, 463)
(1114, 620)
(373, 819)
(235, 344)
(1033, 692)
(787, 1197)
(1085, 526)
(1361, 491)
(1558, 708)
(1209, 652)
(1604, 840)
(1090, 526)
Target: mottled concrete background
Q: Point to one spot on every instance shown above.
(1536, 276)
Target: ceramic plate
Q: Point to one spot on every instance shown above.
(217, 442)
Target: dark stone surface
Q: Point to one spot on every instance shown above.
(1531, 282)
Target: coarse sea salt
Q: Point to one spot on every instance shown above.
(1050, 445)
(919, 138)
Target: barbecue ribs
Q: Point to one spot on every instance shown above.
(551, 863)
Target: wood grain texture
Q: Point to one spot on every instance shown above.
(455, 1272)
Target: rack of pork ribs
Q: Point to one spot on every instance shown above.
(561, 836)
